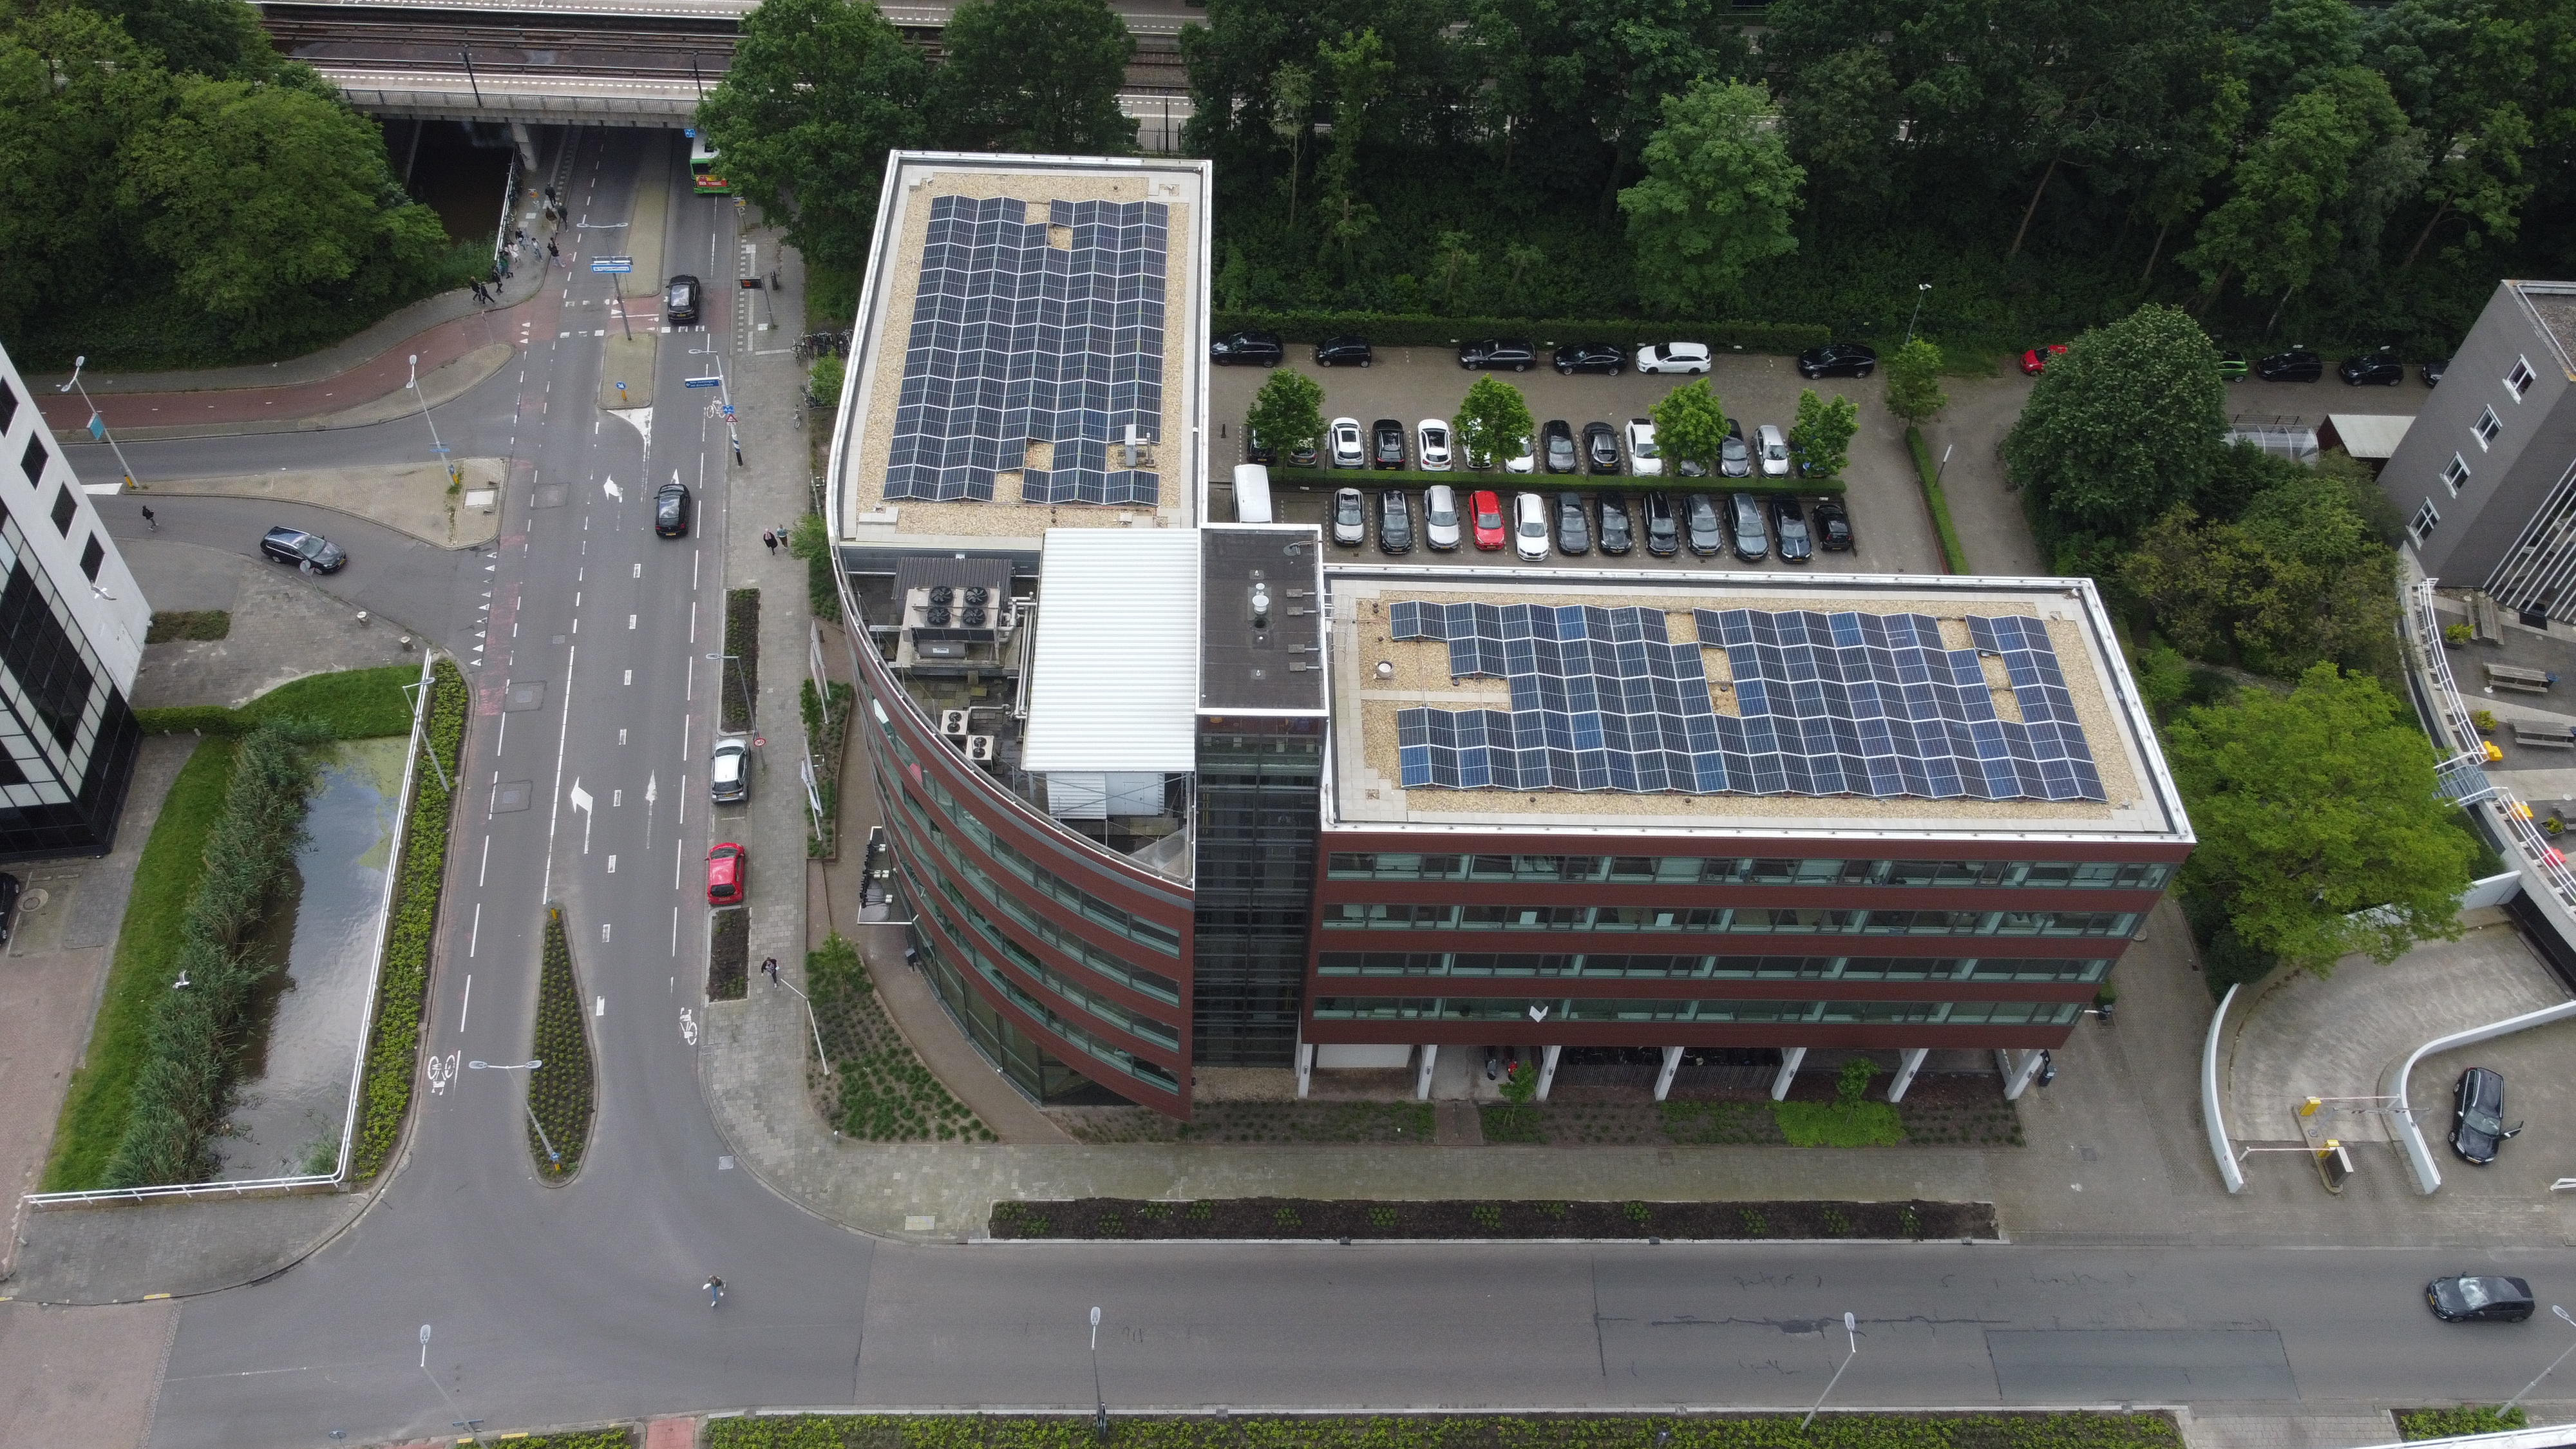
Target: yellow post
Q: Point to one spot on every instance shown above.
(2309, 1107)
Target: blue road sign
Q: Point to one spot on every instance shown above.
(97, 427)
(689, 131)
(728, 409)
(702, 381)
(612, 264)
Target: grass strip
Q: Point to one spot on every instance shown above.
(1930, 472)
(402, 985)
(2468, 1419)
(559, 1092)
(353, 704)
(742, 641)
(95, 1106)
(1832, 1430)
(878, 1091)
(170, 626)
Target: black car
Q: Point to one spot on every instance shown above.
(2296, 365)
(1598, 357)
(9, 888)
(1600, 448)
(1573, 529)
(1255, 450)
(1394, 522)
(304, 550)
(2477, 1115)
(1734, 457)
(1498, 354)
(1260, 348)
(1663, 539)
(1386, 444)
(1699, 523)
(1789, 525)
(1556, 446)
(2432, 371)
(671, 510)
(1615, 535)
(1832, 523)
(2475, 1298)
(2378, 369)
(1752, 537)
(1343, 352)
(680, 300)
(1837, 359)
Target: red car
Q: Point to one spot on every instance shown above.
(1488, 509)
(727, 865)
(2036, 359)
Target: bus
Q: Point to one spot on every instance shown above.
(702, 169)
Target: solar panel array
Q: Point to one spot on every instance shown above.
(1829, 704)
(1015, 341)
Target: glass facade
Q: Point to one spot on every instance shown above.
(1712, 968)
(1259, 796)
(1722, 1012)
(1735, 920)
(68, 739)
(1748, 870)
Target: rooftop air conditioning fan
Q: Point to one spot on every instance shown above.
(952, 722)
(979, 748)
(977, 593)
(936, 617)
(941, 593)
(971, 616)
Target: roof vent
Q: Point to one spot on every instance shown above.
(977, 593)
(979, 748)
(942, 594)
(972, 616)
(952, 723)
(1385, 669)
(937, 615)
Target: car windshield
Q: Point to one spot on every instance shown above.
(2485, 1123)
(310, 545)
(1533, 528)
(1645, 448)
(1489, 518)
(2474, 1293)
(1732, 450)
(1775, 450)
(1440, 515)
(1347, 510)
(679, 294)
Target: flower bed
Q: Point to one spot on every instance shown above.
(825, 736)
(877, 1090)
(1832, 1430)
(1285, 1217)
(729, 954)
(559, 1093)
(738, 679)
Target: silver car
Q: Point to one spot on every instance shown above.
(1440, 517)
(729, 770)
(1349, 451)
(1775, 452)
(1350, 518)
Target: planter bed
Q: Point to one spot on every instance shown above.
(1834, 1429)
(1468, 481)
(1290, 1217)
(729, 954)
(1394, 1124)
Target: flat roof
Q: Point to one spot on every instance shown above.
(1030, 352)
(2553, 306)
(1261, 620)
(1113, 682)
(1377, 674)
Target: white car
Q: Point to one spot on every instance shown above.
(1529, 526)
(1774, 450)
(1349, 451)
(1673, 357)
(1350, 518)
(729, 770)
(1431, 438)
(1440, 517)
(1644, 458)
(1523, 461)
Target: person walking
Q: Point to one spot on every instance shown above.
(715, 1291)
(771, 966)
(769, 536)
(551, 254)
(149, 521)
(479, 294)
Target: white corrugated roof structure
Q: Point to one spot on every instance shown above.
(2373, 436)
(1114, 685)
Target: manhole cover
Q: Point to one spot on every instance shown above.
(33, 900)
(513, 795)
(530, 695)
(553, 495)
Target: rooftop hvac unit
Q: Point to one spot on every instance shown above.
(952, 723)
(977, 593)
(942, 594)
(980, 748)
(972, 616)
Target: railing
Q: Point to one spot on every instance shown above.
(2542, 861)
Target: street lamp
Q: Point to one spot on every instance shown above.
(1921, 289)
(724, 394)
(2544, 1373)
(1851, 1330)
(551, 1155)
(1099, 1401)
(435, 446)
(744, 685)
(433, 744)
(776, 979)
(473, 1427)
(97, 424)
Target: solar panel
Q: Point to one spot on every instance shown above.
(1018, 342)
(1827, 704)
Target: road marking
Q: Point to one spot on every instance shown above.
(616, 798)
(468, 1005)
(603, 933)
(554, 817)
(486, 867)
(612, 865)
(639, 570)
(675, 935)
(688, 1026)
(675, 872)
(630, 621)
(693, 625)
(693, 567)
(473, 940)
(630, 683)
(599, 1006)
(691, 684)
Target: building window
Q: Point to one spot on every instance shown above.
(8, 406)
(2520, 379)
(2487, 428)
(92, 555)
(2456, 474)
(2427, 518)
(64, 509)
(32, 461)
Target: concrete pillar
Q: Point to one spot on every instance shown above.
(1547, 1071)
(1664, 1078)
(527, 144)
(1789, 1059)
(1305, 1067)
(2017, 1073)
(1908, 1062)
(1422, 1073)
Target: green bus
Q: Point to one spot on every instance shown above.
(702, 169)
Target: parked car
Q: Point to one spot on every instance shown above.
(1431, 445)
(1673, 357)
(1789, 525)
(1350, 518)
(2035, 360)
(2477, 1116)
(1301, 454)
(671, 510)
(1745, 528)
(2296, 365)
(1600, 448)
(2480, 1298)
(1734, 459)
(1261, 349)
(1573, 529)
(1663, 536)
(1440, 517)
(1837, 359)
(1558, 438)
(1615, 534)
(1394, 522)
(729, 770)
(1486, 513)
(304, 550)
(1498, 354)
(1344, 352)
(1522, 461)
(1255, 450)
(1386, 444)
(1348, 449)
(2378, 369)
(1700, 526)
(10, 889)
(1600, 357)
(1832, 523)
(2231, 367)
(728, 871)
(680, 300)
(1529, 526)
(1775, 452)
(1644, 458)
(2432, 371)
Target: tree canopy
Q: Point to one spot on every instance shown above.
(1821, 437)
(1690, 424)
(1288, 410)
(1034, 75)
(2123, 426)
(1718, 196)
(1493, 420)
(1914, 381)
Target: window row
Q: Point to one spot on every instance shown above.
(1719, 968)
(1748, 870)
(1739, 920)
(1056, 983)
(1522, 1011)
(1061, 1033)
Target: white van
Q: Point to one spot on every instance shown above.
(1251, 493)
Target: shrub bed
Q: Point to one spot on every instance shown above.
(2468, 1419)
(825, 738)
(402, 985)
(742, 640)
(171, 626)
(1297, 1217)
(1469, 481)
(1395, 330)
(1926, 469)
(353, 704)
(877, 1090)
(1831, 1430)
(559, 1092)
(1391, 1124)
(729, 954)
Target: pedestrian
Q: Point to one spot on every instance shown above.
(551, 254)
(771, 966)
(149, 521)
(496, 279)
(769, 536)
(715, 1291)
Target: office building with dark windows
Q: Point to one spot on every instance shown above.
(72, 623)
(1164, 794)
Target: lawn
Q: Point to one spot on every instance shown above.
(355, 704)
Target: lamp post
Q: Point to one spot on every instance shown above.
(1851, 1330)
(98, 424)
(1920, 290)
(551, 1155)
(2544, 1373)
(1099, 1401)
(742, 684)
(472, 1427)
(819, 1054)
(432, 744)
(435, 445)
(724, 394)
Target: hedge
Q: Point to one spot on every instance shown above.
(1393, 330)
(352, 704)
(1924, 468)
(402, 983)
(559, 1092)
(1833, 1430)
(1553, 482)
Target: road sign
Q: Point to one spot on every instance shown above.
(689, 131)
(97, 427)
(612, 264)
(728, 409)
(700, 381)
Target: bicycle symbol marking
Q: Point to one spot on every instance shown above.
(688, 1026)
(441, 1070)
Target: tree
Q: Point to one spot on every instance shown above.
(2319, 826)
(1454, 257)
(71, 86)
(218, 38)
(819, 92)
(1914, 381)
(2284, 220)
(1288, 410)
(1292, 115)
(1821, 437)
(1690, 424)
(1360, 70)
(1717, 197)
(1840, 112)
(2123, 426)
(1034, 75)
(1493, 421)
